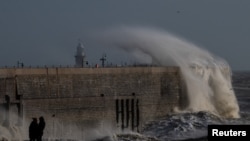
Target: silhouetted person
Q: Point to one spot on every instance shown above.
(41, 127)
(33, 130)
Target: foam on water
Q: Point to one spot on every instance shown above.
(181, 126)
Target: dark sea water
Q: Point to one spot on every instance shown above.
(193, 126)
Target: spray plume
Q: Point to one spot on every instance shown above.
(207, 77)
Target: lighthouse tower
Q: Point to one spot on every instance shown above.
(80, 56)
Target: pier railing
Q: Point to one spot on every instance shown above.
(72, 66)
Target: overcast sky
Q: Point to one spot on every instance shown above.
(47, 32)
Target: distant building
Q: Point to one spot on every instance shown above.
(80, 55)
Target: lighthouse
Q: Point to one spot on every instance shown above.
(80, 55)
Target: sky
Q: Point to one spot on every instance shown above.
(39, 33)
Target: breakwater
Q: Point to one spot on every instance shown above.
(88, 98)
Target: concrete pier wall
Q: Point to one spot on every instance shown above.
(125, 98)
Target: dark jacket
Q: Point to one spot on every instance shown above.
(41, 126)
(33, 129)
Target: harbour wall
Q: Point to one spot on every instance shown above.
(124, 98)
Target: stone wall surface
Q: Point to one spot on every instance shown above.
(132, 96)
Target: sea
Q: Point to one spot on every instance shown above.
(194, 125)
